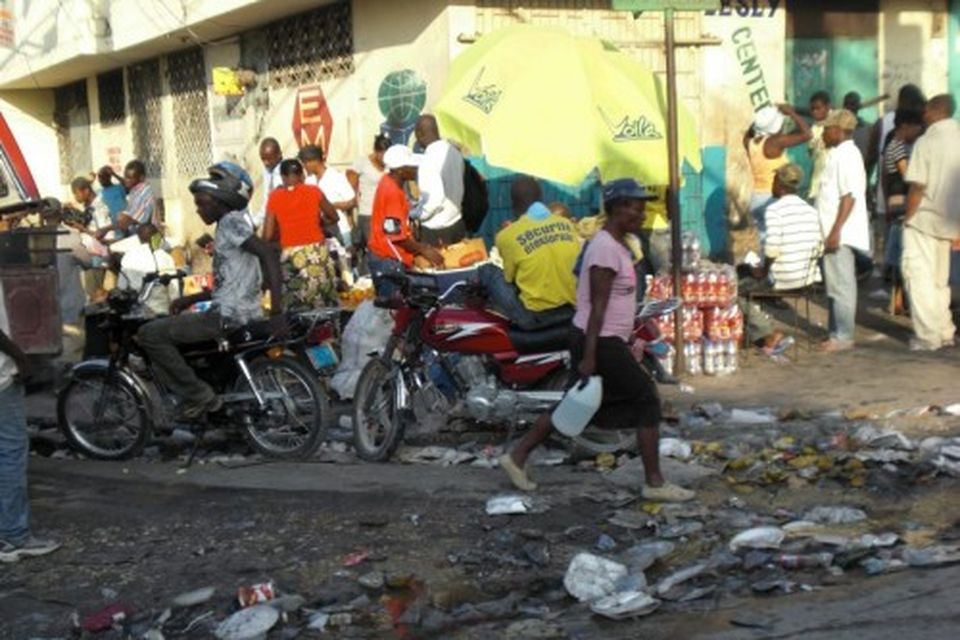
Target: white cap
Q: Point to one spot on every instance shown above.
(399, 156)
(768, 121)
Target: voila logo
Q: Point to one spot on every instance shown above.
(630, 128)
(483, 97)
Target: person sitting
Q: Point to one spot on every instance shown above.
(295, 215)
(146, 258)
(792, 247)
(241, 261)
(539, 251)
(392, 247)
(606, 310)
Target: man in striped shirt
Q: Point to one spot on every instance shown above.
(793, 245)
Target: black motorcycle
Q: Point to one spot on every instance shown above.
(111, 405)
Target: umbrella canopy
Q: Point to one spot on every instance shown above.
(539, 100)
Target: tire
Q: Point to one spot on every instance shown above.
(376, 388)
(104, 416)
(297, 409)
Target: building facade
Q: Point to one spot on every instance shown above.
(86, 83)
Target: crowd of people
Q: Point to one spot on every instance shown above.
(914, 153)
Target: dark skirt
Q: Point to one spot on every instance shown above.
(630, 397)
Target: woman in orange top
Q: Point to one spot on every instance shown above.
(295, 216)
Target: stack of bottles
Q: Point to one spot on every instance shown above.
(711, 319)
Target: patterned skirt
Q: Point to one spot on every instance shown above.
(309, 277)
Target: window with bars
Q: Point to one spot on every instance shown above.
(312, 46)
(71, 115)
(144, 86)
(113, 107)
(186, 75)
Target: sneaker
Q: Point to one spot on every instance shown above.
(517, 475)
(667, 493)
(917, 344)
(31, 547)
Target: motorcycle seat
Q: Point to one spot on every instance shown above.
(256, 330)
(556, 338)
(561, 316)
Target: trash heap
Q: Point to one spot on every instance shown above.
(712, 320)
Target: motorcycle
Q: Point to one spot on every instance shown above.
(462, 359)
(111, 406)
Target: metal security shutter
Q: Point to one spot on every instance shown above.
(310, 47)
(72, 118)
(144, 85)
(110, 94)
(186, 74)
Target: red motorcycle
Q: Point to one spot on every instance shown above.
(457, 358)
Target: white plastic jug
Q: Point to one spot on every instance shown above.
(578, 406)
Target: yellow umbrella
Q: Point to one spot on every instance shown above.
(539, 100)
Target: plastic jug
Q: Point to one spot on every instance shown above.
(578, 407)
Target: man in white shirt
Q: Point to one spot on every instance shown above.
(146, 258)
(845, 224)
(270, 156)
(440, 179)
(335, 187)
(16, 541)
(931, 224)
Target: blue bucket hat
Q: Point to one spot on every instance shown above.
(625, 189)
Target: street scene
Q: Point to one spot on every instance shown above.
(497, 319)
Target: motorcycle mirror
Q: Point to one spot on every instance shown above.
(656, 308)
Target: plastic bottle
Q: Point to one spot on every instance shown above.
(807, 561)
(709, 358)
(578, 406)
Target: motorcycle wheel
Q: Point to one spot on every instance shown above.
(295, 417)
(378, 425)
(104, 416)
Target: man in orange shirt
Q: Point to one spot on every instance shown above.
(392, 246)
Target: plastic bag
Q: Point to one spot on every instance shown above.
(366, 333)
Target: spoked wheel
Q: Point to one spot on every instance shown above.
(292, 423)
(378, 423)
(103, 415)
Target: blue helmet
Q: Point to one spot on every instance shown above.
(228, 183)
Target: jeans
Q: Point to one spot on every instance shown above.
(378, 267)
(758, 211)
(839, 271)
(760, 324)
(505, 300)
(14, 448)
(160, 339)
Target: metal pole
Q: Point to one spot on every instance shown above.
(673, 191)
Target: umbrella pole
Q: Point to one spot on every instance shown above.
(673, 192)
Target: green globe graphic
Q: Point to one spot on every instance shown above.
(401, 97)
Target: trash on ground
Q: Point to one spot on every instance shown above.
(835, 515)
(441, 456)
(605, 543)
(591, 577)
(675, 448)
(248, 624)
(106, 618)
(356, 558)
(195, 597)
(680, 577)
(626, 604)
(642, 556)
(758, 538)
(508, 505)
(752, 416)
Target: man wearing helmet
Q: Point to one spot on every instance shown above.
(240, 260)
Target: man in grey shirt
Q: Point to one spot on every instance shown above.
(240, 257)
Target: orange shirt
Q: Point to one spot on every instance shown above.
(390, 222)
(297, 212)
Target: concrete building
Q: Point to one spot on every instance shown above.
(90, 82)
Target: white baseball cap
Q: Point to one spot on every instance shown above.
(399, 156)
(768, 121)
